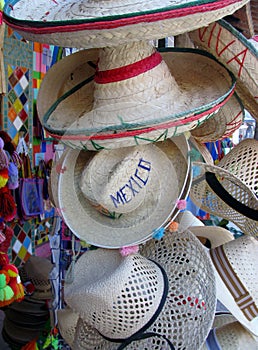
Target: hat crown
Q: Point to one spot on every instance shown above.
(241, 161)
(120, 296)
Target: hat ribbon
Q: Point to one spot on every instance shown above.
(220, 191)
(236, 288)
(139, 335)
(212, 341)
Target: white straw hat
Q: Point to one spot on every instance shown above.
(120, 197)
(236, 271)
(164, 295)
(137, 95)
(87, 23)
(232, 336)
(229, 189)
(222, 318)
(223, 124)
(237, 53)
(212, 236)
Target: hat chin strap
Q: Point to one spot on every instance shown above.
(226, 197)
(139, 335)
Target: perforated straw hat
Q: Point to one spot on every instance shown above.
(120, 197)
(236, 271)
(223, 123)
(96, 24)
(237, 53)
(229, 189)
(136, 95)
(160, 298)
(232, 336)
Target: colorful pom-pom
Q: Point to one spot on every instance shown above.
(181, 204)
(125, 251)
(173, 226)
(3, 177)
(1, 143)
(158, 233)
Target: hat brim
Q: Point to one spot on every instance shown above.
(223, 123)
(237, 53)
(113, 25)
(209, 199)
(97, 229)
(214, 234)
(65, 106)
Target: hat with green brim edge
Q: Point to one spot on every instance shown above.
(136, 95)
(86, 24)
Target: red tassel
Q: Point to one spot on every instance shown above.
(8, 232)
(7, 204)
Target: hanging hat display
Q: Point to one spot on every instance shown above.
(136, 95)
(86, 24)
(162, 297)
(229, 189)
(120, 197)
(236, 271)
(237, 53)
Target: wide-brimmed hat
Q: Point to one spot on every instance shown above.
(236, 271)
(87, 24)
(229, 189)
(222, 318)
(212, 236)
(223, 123)
(237, 53)
(232, 336)
(120, 197)
(136, 95)
(162, 296)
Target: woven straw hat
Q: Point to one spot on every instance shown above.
(170, 297)
(232, 336)
(37, 270)
(222, 318)
(121, 197)
(137, 95)
(236, 271)
(229, 190)
(222, 124)
(87, 24)
(212, 236)
(237, 53)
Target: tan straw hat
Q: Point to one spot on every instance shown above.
(136, 95)
(162, 297)
(237, 53)
(229, 189)
(236, 271)
(224, 123)
(120, 197)
(87, 23)
(232, 336)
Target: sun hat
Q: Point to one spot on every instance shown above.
(237, 53)
(135, 95)
(87, 24)
(232, 336)
(222, 318)
(115, 198)
(203, 154)
(212, 236)
(165, 293)
(37, 270)
(222, 124)
(236, 271)
(229, 189)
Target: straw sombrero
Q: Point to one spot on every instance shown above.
(163, 297)
(232, 336)
(236, 271)
(136, 95)
(87, 24)
(223, 124)
(120, 197)
(237, 53)
(229, 189)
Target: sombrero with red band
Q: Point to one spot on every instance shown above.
(136, 95)
(87, 24)
(237, 53)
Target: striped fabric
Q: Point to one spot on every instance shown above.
(241, 296)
